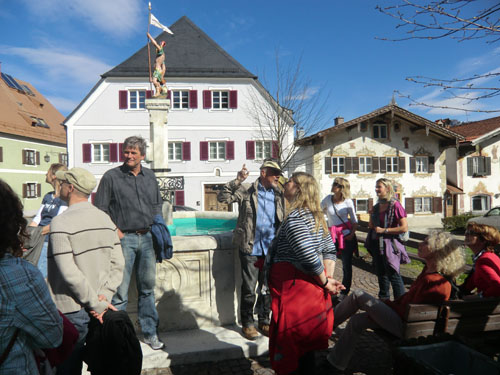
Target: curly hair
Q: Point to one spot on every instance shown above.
(308, 197)
(487, 233)
(345, 192)
(447, 253)
(12, 222)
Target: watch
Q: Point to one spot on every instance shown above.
(386, 230)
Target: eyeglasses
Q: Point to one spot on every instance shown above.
(337, 184)
(471, 233)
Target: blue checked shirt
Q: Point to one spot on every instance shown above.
(25, 303)
(266, 216)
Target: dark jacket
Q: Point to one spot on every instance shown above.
(246, 195)
(113, 348)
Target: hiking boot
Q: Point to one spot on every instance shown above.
(250, 333)
(154, 342)
(264, 329)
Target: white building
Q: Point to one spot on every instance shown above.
(389, 142)
(474, 167)
(211, 132)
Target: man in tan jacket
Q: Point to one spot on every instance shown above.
(85, 260)
(261, 211)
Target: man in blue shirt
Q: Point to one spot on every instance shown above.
(261, 211)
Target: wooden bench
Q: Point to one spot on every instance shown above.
(460, 317)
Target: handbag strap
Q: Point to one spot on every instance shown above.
(335, 209)
(6, 352)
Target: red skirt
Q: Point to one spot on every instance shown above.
(302, 319)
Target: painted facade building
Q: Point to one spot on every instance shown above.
(32, 137)
(210, 130)
(475, 167)
(389, 142)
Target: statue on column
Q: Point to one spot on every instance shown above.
(159, 68)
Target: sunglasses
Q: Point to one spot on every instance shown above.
(337, 184)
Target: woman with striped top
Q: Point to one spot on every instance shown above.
(302, 260)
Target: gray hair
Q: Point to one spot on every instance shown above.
(135, 142)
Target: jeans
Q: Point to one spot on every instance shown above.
(250, 276)
(73, 364)
(387, 276)
(42, 261)
(376, 315)
(139, 255)
(347, 253)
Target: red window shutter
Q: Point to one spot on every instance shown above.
(38, 190)
(179, 197)
(121, 157)
(37, 156)
(169, 94)
(25, 190)
(123, 99)
(230, 150)
(207, 99)
(193, 99)
(149, 94)
(186, 151)
(87, 152)
(92, 197)
(113, 152)
(233, 99)
(203, 150)
(275, 150)
(250, 145)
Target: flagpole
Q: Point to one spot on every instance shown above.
(149, 51)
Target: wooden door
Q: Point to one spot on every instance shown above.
(211, 203)
(449, 199)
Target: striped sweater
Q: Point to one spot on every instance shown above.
(300, 245)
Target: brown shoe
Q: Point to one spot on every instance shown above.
(264, 329)
(250, 333)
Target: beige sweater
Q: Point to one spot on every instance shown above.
(85, 259)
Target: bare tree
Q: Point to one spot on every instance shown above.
(291, 110)
(463, 20)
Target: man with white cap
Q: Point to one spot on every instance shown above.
(261, 211)
(85, 260)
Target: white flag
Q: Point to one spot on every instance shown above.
(155, 22)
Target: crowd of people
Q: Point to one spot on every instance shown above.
(287, 253)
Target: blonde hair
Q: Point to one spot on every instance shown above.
(447, 253)
(53, 169)
(488, 234)
(388, 185)
(345, 192)
(308, 197)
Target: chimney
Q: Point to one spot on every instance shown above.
(339, 120)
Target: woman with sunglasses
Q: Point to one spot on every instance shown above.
(302, 261)
(342, 223)
(387, 222)
(485, 274)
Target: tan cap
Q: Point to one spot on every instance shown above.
(80, 178)
(271, 164)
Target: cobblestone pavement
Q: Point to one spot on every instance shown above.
(372, 355)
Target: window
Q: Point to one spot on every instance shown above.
(217, 150)
(263, 150)
(423, 204)
(478, 166)
(365, 164)
(31, 157)
(338, 164)
(361, 205)
(100, 153)
(220, 99)
(175, 151)
(392, 164)
(137, 99)
(32, 190)
(379, 131)
(480, 203)
(422, 164)
(180, 99)
(63, 159)
(35, 121)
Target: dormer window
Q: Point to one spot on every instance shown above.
(379, 131)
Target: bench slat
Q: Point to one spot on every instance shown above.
(468, 308)
(417, 329)
(421, 312)
(474, 324)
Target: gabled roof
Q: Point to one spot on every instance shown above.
(483, 129)
(19, 110)
(391, 108)
(188, 53)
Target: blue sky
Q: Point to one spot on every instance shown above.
(62, 46)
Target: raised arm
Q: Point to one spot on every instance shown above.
(153, 41)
